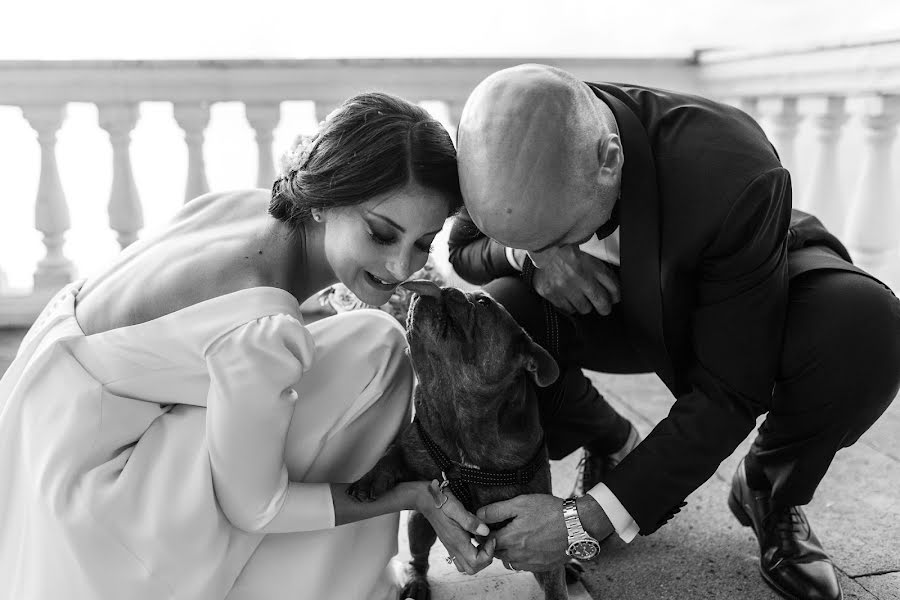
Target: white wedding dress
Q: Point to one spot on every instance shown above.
(188, 457)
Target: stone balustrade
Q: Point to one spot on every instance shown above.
(806, 99)
(853, 86)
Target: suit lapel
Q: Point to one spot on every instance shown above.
(639, 238)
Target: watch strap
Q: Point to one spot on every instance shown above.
(573, 524)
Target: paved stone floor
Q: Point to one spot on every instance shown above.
(703, 552)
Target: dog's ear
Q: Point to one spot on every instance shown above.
(539, 364)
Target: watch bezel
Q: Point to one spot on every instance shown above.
(574, 548)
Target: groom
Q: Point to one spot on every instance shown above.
(630, 229)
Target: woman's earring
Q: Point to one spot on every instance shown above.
(317, 217)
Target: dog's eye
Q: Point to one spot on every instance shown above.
(482, 300)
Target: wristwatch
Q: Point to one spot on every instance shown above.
(581, 545)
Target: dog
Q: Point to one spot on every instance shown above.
(477, 424)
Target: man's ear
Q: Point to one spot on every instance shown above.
(540, 365)
(609, 152)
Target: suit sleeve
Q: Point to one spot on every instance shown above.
(475, 257)
(248, 412)
(737, 327)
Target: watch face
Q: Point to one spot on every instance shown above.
(583, 549)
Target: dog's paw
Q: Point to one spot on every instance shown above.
(416, 588)
(574, 571)
(372, 485)
(358, 492)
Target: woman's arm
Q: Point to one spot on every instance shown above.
(475, 257)
(347, 509)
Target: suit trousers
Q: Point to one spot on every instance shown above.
(839, 370)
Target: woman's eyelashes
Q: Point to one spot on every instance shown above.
(383, 239)
(386, 239)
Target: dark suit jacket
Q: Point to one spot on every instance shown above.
(706, 227)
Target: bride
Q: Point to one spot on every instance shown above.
(171, 429)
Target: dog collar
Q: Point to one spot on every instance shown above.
(458, 477)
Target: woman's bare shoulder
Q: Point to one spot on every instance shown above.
(225, 204)
(203, 253)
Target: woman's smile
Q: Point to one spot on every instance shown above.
(380, 284)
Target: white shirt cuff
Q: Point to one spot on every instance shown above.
(624, 524)
(516, 262)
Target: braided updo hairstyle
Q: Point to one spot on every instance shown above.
(374, 143)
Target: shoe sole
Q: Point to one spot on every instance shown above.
(737, 509)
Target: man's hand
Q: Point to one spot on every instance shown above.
(536, 538)
(574, 281)
(455, 527)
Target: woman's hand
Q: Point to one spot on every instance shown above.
(455, 527)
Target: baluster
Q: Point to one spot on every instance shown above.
(51, 211)
(126, 215)
(823, 196)
(263, 118)
(193, 119)
(323, 108)
(872, 232)
(786, 122)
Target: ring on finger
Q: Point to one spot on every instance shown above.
(438, 494)
(450, 559)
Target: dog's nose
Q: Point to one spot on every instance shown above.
(455, 295)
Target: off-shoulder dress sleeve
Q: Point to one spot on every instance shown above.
(249, 407)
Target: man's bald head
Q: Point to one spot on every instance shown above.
(528, 152)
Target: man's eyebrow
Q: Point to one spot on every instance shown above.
(396, 225)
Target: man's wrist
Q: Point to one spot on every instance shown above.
(593, 518)
(622, 521)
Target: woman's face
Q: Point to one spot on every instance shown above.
(375, 245)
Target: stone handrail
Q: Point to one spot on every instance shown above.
(860, 67)
(325, 81)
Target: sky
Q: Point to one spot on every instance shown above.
(169, 29)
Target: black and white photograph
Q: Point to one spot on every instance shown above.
(571, 300)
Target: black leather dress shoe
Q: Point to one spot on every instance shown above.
(791, 558)
(592, 468)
